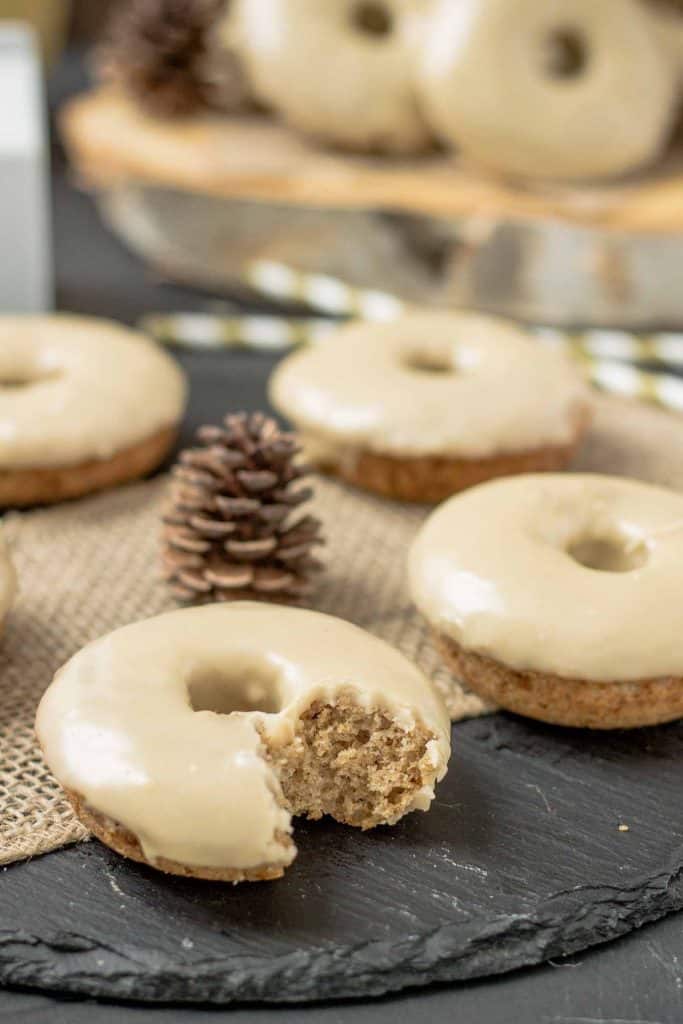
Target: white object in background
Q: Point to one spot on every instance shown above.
(25, 243)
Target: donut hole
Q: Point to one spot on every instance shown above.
(429, 362)
(565, 54)
(25, 378)
(609, 554)
(252, 686)
(372, 18)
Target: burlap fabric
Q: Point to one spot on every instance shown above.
(88, 567)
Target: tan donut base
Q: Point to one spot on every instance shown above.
(576, 702)
(125, 843)
(432, 478)
(44, 486)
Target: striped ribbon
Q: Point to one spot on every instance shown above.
(220, 330)
(320, 292)
(609, 358)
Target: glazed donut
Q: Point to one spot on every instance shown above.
(340, 70)
(427, 405)
(559, 597)
(569, 89)
(189, 740)
(84, 404)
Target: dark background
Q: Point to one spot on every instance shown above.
(87, 18)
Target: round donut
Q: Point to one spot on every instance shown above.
(559, 597)
(84, 404)
(340, 70)
(424, 406)
(569, 89)
(189, 740)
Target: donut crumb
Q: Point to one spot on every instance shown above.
(356, 764)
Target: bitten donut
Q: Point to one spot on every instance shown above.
(559, 597)
(189, 740)
(569, 89)
(427, 405)
(340, 70)
(84, 404)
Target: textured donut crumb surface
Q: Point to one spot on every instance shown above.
(21, 487)
(435, 478)
(575, 702)
(356, 764)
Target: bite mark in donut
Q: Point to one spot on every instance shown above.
(354, 763)
(189, 741)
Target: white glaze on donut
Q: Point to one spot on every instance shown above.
(117, 725)
(568, 89)
(501, 569)
(314, 63)
(431, 383)
(74, 389)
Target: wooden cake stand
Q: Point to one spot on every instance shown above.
(203, 199)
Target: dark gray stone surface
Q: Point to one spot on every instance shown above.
(635, 980)
(519, 860)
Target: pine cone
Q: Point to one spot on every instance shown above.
(168, 55)
(230, 529)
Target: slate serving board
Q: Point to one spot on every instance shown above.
(520, 860)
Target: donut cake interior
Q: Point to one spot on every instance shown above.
(356, 764)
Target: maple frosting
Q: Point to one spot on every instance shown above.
(340, 70)
(431, 383)
(126, 723)
(75, 388)
(566, 89)
(577, 576)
